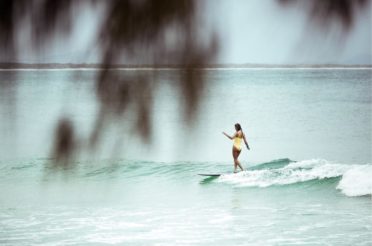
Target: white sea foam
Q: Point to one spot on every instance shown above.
(356, 179)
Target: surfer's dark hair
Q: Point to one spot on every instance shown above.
(238, 127)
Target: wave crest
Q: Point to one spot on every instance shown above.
(356, 179)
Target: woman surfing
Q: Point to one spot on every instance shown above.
(237, 146)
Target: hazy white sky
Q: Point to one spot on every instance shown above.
(252, 31)
(265, 32)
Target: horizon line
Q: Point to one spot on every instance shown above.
(22, 65)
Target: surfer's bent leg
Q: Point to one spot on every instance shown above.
(236, 154)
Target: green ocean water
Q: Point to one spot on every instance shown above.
(307, 179)
(141, 203)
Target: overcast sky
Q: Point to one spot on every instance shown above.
(252, 31)
(265, 32)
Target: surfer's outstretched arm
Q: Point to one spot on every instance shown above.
(245, 141)
(224, 133)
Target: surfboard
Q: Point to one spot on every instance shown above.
(209, 174)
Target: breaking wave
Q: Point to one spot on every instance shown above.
(355, 180)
